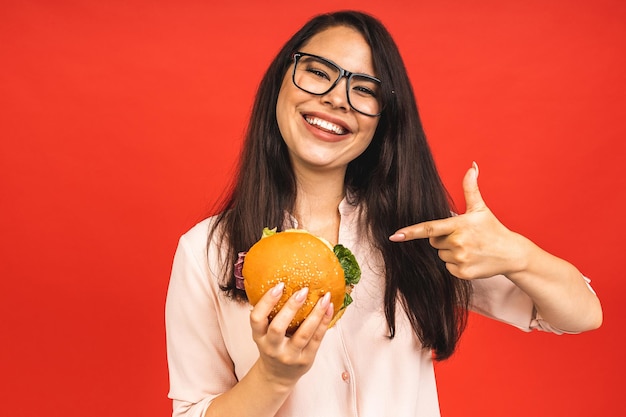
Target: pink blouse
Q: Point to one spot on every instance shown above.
(358, 370)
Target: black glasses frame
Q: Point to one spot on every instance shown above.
(342, 74)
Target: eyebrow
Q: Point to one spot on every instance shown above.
(324, 60)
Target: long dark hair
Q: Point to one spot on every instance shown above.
(395, 180)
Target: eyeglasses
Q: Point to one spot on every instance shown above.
(317, 75)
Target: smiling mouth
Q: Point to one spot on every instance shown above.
(325, 125)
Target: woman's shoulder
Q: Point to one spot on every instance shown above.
(202, 236)
(203, 243)
(199, 231)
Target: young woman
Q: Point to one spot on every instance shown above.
(335, 146)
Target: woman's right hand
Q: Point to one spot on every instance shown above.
(283, 360)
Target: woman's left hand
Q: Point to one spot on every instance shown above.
(476, 245)
(473, 245)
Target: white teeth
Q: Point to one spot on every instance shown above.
(323, 124)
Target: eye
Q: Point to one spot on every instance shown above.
(318, 69)
(365, 86)
(318, 72)
(365, 91)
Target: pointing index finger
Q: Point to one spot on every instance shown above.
(424, 230)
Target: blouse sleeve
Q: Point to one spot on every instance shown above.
(500, 299)
(200, 368)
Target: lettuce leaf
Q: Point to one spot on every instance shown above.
(347, 300)
(267, 232)
(351, 269)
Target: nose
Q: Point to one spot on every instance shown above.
(337, 97)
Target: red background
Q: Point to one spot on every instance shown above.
(120, 122)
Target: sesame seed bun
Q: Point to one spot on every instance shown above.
(299, 259)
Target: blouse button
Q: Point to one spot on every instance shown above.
(345, 376)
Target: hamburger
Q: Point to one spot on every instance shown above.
(300, 259)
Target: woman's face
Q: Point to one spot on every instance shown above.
(323, 132)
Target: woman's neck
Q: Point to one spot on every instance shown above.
(317, 205)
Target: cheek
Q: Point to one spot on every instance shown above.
(368, 129)
(282, 105)
(280, 112)
(365, 145)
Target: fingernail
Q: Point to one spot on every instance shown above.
(330, 310)
(301, 295)
(278, 289)
(325, 300)
(475, 166)
(397, 237)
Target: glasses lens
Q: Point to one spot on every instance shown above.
(363, 93)
(317, 76)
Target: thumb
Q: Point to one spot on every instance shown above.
(473, 199)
